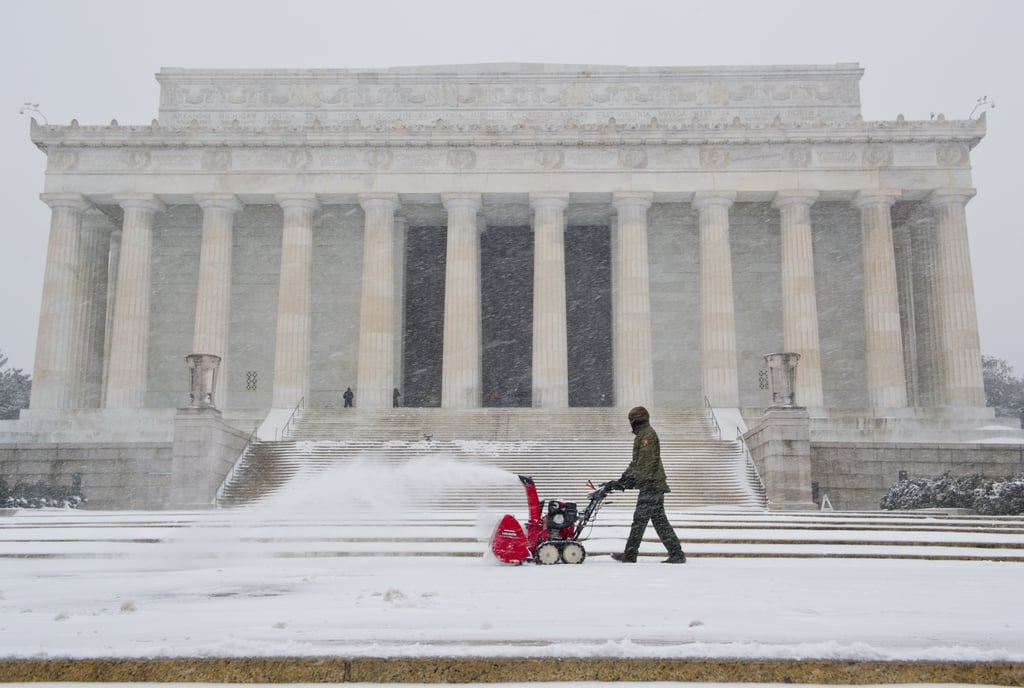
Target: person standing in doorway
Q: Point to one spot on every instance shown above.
(395, 397)
(349, 397)
(647, 474)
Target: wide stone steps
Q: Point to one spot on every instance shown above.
(94, 540)
(477, 474)
(561, 449)
(513, 424)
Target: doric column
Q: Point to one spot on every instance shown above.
(903, 252)
(883, 341)
(719, 376)
(94, 259)
(53, 372)
(375, 374)
(399, 271)
(954, 285)
(129, 339)
(460, 360)
(213, 294)
(634, 361)
(799, 296)
(550, 334)
(927, 328)
(293, 346)
(113, 263)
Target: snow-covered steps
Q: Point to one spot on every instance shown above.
(324, 530)
(482, 473)
(560, 448)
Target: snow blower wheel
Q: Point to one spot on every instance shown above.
(548, 553)
(573, 553)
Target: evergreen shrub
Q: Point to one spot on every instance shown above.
(989, 496)
(41, 495)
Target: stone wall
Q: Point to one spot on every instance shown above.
(114, 476)
(855, 476)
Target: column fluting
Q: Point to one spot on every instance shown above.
(886, 379)
(799, 295)
(550, 330)
(293, 344)
(213, 293)
(129, 339)
(461, 356)
(954, 285)
(53, 370)
(719, 376)
(927, 326)
(634, 360)
(94, 261)
(375, 374)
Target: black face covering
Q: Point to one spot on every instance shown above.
(637, 424)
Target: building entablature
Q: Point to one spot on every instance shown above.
(443, 134)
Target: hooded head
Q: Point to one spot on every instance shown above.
(637, 416)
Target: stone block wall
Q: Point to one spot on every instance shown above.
(114, 476)
(855, 476)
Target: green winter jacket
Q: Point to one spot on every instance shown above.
(646, 470)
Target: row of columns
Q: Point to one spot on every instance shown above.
(70, 356)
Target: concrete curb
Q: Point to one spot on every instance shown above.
(503, 670)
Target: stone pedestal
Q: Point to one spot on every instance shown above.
(204, 449)
(781, 447)
(780, 443)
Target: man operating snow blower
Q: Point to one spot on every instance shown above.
(647, 474)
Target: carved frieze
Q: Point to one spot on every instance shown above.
(135, 159)
(878, 156)
(461, 158)
(520, 93)
(797, 156)
(633, 157)
(550, 158)
(64, 159)
(952, 155)
(714, 157)
(217, 160)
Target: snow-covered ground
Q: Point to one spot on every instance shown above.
(320, 581)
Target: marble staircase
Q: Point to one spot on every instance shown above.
(560, 449)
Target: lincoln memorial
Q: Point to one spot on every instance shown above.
(531, 240)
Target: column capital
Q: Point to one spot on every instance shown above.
(624, 198)
(884, 197)
(707, 199)
(549, 199)
(146, 201)
(961, 196)
(298, 200)
(469, 200)
(387, 201)
(788, 198)
(215, 200)
(65, 200)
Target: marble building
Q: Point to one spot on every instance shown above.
(545, 236)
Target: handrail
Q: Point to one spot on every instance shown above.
(283, 430)
(234, 467)
(750, 463)
(711, 415)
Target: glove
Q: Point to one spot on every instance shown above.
(627, 482)
(613, 485)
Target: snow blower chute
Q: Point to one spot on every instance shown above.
(551, 537)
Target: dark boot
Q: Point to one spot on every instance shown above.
(622, 558)
(677, 558)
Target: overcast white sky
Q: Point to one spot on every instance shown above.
(94, 61)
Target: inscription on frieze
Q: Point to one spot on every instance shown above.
(499, 95)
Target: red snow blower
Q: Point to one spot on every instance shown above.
(553, 538)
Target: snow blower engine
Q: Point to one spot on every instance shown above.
(553, 531)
